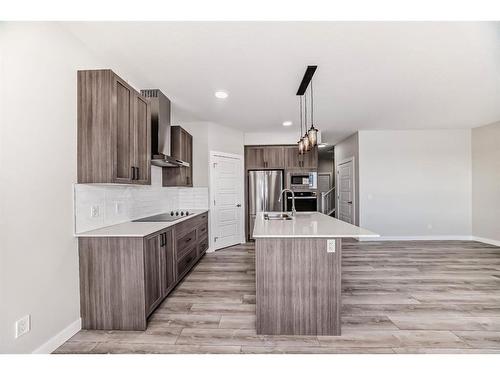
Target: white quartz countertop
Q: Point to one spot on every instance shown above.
(136, 229)
(307, 224)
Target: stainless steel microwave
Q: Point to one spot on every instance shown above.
(303, 180)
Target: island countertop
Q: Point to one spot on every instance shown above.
(308, 225)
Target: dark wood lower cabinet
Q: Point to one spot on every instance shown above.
(124, 279)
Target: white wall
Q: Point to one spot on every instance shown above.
(271, 138)
(39, 265)
(486, 182)
(224, 139)
(415, 183)
(347, 149)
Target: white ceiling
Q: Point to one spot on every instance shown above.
(371, 75)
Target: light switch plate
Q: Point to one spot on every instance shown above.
(330, 246)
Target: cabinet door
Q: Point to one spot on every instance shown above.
(274, 157)
(188, 157)
(153, 272)
(254, 157)
(310, 159)
(292, 158)
(124, 128)
(142, 140)
(181, 147)
(168, 275)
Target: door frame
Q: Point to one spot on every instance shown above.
(354, 187)
(241, 195)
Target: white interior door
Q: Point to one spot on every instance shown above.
(345, 195)
(226, 200)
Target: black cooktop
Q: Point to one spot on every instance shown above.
(169, 216)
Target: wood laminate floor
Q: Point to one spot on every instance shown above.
(398, 297)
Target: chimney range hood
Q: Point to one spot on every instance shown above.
(160, 130)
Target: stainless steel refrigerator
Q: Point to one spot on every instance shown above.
(264, 189)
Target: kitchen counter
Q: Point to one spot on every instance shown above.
(308, 224)
(136, 229)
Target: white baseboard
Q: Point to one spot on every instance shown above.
(486, 240)
(418, 238)
(56, 341)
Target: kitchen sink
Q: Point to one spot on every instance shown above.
(278, 216)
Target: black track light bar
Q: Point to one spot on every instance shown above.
(307, 78)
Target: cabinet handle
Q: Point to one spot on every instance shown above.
(133, 173)
(137, 173)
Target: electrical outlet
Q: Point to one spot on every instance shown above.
(330, 246)
(94, 211)
(23, 326)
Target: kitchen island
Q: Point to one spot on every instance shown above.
(298, 272)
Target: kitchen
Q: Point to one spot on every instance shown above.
(190, 218)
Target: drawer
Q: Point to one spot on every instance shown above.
(185, 242)
(187, 261)
(202, 230)
(191, 223)
(202, 245)
(202, 218)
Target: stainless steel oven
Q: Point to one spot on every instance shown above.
(303, 180)
(304, 201)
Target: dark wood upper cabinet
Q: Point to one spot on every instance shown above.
(114, 130)
(181, 147)
(264, 157)
(274, 157)
(292, 157)
(254, 157)
(293, 160)
(310, 159)
(142, 131)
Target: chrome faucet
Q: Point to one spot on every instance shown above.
(293, 199)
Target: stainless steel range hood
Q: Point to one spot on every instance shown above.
(160, 130)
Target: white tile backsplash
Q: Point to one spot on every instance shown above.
(122, 203)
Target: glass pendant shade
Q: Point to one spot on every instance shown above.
(305, 141)
(301, 146)
(312, 135)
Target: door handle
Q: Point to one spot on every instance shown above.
(350, 202)
(238, 205)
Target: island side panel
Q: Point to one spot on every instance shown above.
(298, 286)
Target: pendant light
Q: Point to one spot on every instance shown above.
(312, 134)
(305, 138)
(300, 142)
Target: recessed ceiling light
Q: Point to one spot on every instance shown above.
(287, 123)
(321, 145)
(221, 94)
